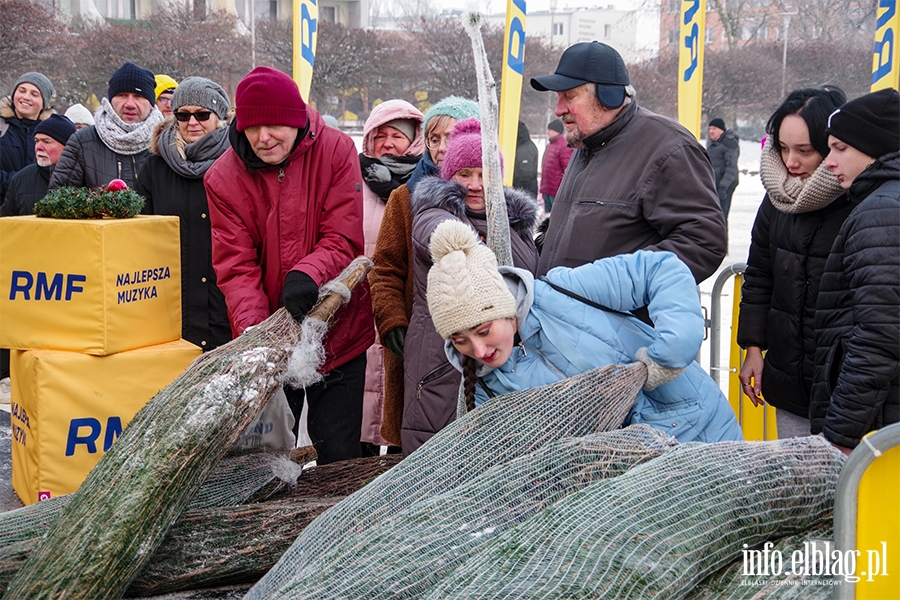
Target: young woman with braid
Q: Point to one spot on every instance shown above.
(525, 333)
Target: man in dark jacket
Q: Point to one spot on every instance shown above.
(636, 181)
(116, 146)
(286, 210)
(724, 150)
(856, 385)
(525, 170)
(30, 184)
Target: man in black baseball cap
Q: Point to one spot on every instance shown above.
(589, 62)
(637, 180)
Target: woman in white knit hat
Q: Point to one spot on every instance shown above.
(507, 331)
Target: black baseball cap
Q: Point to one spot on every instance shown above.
(589, 62)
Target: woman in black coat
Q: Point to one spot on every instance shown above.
(795, 226)
(182, 150)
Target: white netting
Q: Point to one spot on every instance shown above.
(413, 550)
(658, 530)
(508, 427)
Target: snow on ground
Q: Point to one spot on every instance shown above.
(744, 204)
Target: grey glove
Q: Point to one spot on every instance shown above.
(394, 339)
(656, 373)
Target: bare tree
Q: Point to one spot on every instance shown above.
(742, 19)
(30, 37)
(829, 19)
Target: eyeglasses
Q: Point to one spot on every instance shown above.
(184, 117)
(164, 100)
(436, 141)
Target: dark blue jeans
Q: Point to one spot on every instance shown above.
(548, 201)
(334, 417)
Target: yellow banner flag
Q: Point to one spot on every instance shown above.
(511, 83)
(306, 18)
(886, 56)
(690, 64)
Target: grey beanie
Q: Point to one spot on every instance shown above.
(39, 81)
(405, 126)
(200, 91)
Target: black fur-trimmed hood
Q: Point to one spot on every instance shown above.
(434, 192)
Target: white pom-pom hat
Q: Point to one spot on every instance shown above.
(464, 287)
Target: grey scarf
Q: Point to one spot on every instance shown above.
(121, 137)
(191, 160)
(793, 195)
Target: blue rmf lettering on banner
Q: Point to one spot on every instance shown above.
(45, 287)
(890, 7)
(691, 42)
(306, 51)
(690, 12)
(884, 50)
(515, 53)
(89, 439)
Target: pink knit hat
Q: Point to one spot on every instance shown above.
(464, 150)
(266, 96)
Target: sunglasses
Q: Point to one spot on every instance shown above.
(202, 115)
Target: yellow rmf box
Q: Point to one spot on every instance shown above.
(97, 286)
(68, 408)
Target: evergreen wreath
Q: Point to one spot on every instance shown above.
(83, 203)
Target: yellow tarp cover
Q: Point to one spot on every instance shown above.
(67, 408)
(97, 286)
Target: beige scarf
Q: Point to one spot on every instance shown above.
(794, 195)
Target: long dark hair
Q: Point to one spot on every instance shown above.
(813, 105)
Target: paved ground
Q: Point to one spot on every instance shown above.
(8, 498)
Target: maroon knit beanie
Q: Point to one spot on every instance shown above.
(266, 96)
(464, 149)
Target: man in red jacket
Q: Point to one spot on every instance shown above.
(556, 159)
(286, 209)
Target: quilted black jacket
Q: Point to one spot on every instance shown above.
(856, 385)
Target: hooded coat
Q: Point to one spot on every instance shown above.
(856, 387)
(373, 214)
(562, 337)
(16, 141)
(431, 384)
(204, 316)
(303, 215)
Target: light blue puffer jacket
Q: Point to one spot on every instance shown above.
(562, 336)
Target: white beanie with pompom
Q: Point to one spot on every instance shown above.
(465, 289)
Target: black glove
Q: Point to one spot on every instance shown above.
(299, 294)
(394, 339)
